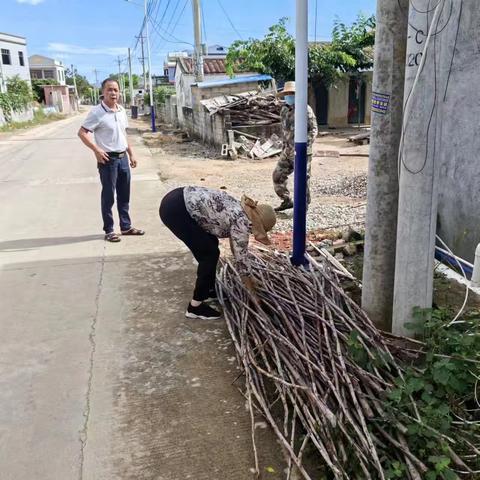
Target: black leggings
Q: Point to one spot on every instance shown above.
(203, 245)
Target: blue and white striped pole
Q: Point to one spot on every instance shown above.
(301, 136)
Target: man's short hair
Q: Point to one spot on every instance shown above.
(110, 80)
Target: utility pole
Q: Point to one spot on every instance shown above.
(417, 204)
(199, 76)
(382, 197)
(130, 79)
(120, 78)
(96, 86)
(152, 103)
(143, 64)
(301, 135)
(74, 81)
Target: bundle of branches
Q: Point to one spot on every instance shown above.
(253, 110)
(322, 375)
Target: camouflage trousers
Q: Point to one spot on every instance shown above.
(281, 173)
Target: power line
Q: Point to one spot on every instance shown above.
(230, 20)
(164, 13)
(179, 17)
(173, 14)
(161, 34)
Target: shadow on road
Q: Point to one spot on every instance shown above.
(30, 243)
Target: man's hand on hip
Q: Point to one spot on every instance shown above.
(133, 161)
(102, 156)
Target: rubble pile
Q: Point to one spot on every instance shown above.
(250, 109)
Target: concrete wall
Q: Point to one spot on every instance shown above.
(58, 96)
(458, 139)
(23, 116)
(183, 88)
(212, 128)
(338, 103)
(368, 100)
(168, 111)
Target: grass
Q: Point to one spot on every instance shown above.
(39, 118)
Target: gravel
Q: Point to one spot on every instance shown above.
(325, 216)
(353, 187)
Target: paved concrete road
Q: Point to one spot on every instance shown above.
(101, 376)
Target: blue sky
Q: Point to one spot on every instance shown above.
(92, 33)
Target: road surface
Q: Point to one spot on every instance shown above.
(101, 376)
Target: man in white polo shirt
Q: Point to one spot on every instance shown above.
(108, 123)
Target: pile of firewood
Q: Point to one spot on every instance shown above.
(253, 110)
(303, 346)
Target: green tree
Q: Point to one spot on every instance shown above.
(135, 79)
(160, 94)
(350, 50)
(357, 41)
(17, 86)
(18, 96)
(273, 55)
(37, 86)
(83, 85)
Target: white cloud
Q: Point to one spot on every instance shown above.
(61, 56)
(30, 2)
(65, 48)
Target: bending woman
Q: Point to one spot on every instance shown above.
(199, 217)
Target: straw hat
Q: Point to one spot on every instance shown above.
(262, 216)
(288, 89)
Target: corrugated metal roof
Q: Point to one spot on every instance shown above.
(233, 81)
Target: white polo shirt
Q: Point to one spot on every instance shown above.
(109, 127)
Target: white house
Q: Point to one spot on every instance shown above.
(13, 58)
(47, 68)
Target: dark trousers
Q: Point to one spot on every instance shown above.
(115, 178)
(203, 245)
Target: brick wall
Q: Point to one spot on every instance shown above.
(211, 128)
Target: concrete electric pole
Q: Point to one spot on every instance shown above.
(142, 60)
(152, 103)
(130, 78)
(417, 209)
(96, 86)
(197, 17)
(74, 76)
(382, 197)
(120, 78)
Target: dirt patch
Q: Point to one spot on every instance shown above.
(337, 183)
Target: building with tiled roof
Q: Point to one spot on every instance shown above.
(214, 69)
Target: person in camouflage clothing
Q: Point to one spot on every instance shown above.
(286, 161)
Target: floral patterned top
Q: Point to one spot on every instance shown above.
(221, 215)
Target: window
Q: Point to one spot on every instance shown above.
(49, 74)
(21, 59)
(6, 60)
(36, 73)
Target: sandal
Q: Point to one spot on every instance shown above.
(133, 231)
(112, 237)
